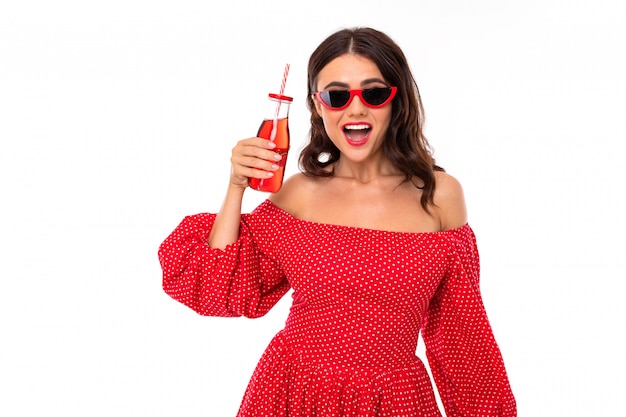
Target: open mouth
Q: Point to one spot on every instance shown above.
(357, 134)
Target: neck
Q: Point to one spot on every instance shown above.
(364, 172)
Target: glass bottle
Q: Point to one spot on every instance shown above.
(275, 127)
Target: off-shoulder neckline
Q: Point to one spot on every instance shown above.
(365, 229)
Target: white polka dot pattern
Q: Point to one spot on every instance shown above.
(360, 299)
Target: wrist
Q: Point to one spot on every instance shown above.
(236, 189)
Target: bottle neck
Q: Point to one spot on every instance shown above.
(277, 109)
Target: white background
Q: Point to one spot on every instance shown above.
(117, 119)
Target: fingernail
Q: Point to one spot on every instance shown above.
(269, 174)
(274, 166)
(271, 144)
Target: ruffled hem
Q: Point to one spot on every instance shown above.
(286, 385)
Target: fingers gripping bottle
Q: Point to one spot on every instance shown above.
(275, 127)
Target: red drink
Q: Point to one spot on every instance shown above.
(276, 129)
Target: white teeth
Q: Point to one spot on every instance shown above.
(357, 127)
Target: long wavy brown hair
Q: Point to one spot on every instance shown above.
(405, 144)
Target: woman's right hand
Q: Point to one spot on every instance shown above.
(252, 158)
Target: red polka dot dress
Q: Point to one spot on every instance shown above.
(361, 297)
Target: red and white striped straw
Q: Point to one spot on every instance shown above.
(282, 85)
(282, 90)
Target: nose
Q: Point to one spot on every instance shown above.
(356, 106)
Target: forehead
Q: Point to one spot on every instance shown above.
(349, 69)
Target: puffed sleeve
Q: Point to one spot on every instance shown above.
(240, 280)
(463, 355)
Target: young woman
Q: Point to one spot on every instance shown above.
(373, 239)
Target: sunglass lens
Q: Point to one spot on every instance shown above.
(376, 96)
(335, 98)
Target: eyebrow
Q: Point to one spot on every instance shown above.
(364, 82)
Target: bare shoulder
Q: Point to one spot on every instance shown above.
(295, 193)
(449, 201)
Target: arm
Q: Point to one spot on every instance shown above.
(464, 357)
(251, 158)
(210, 262)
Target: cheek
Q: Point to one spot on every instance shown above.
(386, 121)
(331, 121)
